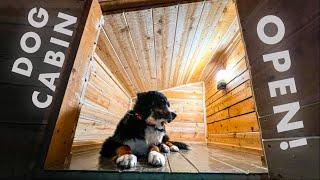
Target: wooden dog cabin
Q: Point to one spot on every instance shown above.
(178, 50)
(237, 73)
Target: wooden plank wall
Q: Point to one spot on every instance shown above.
(64, 131)
(156, 48)
(104, 104)
(231, 114)
(188, 101)
(219, 32)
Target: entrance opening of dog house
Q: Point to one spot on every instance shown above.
(194, 54)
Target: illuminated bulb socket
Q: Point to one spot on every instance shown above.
(221, 85)
(221, 79)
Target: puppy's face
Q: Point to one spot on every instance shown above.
(160, 112)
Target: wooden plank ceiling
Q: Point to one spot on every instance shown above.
(159, 47)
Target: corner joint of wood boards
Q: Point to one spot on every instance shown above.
(101, 23)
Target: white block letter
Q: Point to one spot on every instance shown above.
(39, 104)
(59, 42)
(55, 59)
(280, 29)
(19, 70)
(35, 47)
(51, 76)
(275, 57)
(282, 84)
(61, 27)
(291, 109)
(42, 13)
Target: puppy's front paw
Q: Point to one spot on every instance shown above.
(156, 159)
(127, 161)
(174, 148)
(164, 148)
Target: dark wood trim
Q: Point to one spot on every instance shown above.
(151, 175)
(65, 74)
(118, 6)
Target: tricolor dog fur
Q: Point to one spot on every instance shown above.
(141, 132)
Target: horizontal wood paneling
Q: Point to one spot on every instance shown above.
(244, 123)
(102, 108)
(246, 141)
(231, 116)
(188, 103)
(245, 106)
(240, 93)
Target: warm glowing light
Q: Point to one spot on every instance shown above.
(221, 79)
(221, 75)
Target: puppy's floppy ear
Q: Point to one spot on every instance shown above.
(140, 95)
(145, 98)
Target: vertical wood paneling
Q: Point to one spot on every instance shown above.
(141, 27)
(212, 11)
(187, 22)
(163, 47)
(111, 58)
(219, 37)
(164, 21)
(117, 29)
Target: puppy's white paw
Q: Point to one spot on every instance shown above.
(127, 161)
(165, 148)
(156, 159)
(174, 148)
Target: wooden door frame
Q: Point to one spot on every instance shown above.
(74, 121)
(63, 129)
(42, 173)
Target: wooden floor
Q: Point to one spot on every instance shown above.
(201, 158)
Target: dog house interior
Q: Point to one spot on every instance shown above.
(180, 49)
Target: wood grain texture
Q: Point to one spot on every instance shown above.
(231, 115)
(106, 52)
(201, 159)
(102, 108)
(244, 123)
(62, 138)
(157, 48)
(225, 30)
(164, 22)
(248, 141)
(187, 101)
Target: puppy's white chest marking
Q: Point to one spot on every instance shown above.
(141, 146)
(153, 136)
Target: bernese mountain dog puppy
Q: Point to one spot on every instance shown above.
(141, 132)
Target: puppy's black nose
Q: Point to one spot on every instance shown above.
(173, 115)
